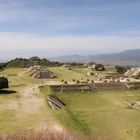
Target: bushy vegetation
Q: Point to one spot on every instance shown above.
(23, 63)
(74, 64)
(18, 63)
(92, 73)
(2, 65)
(99, 67)
(121, 70)
(3, 83)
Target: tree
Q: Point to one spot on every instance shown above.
(4, 83)
(121, 70)
(99, 67)
(2, 65)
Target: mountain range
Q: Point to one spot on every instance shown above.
(128, 57)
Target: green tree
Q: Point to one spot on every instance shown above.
(2, 65)
(99, 67)
(4, 83)
(121, 70)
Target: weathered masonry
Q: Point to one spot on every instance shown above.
(88, 87)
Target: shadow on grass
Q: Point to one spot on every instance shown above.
(7, 91)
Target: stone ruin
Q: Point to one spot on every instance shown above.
(55, 102)
(132, 105)
(134, 72)
(40, 72)
(88, 85)
(90, 65)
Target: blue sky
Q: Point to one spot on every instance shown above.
(63, 27)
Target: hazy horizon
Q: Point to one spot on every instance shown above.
(51, 28)
(42, 54)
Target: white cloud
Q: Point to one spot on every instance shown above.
(68, 44)
(59, 18)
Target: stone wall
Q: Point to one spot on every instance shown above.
(89, 87)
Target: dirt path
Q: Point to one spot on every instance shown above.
(29, 107)
(32, 103)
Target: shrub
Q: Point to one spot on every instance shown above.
(78, 81)
(92, 73)
(121, 70)
(4, 83)
(99, 67)
(118, 80)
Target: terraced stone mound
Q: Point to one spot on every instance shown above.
(134, 72)
(40, 72)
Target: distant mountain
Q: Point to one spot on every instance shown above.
(128, 57)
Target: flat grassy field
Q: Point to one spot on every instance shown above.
(22, 106)
(66, 74)
(102, 113)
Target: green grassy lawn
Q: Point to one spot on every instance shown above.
(75, 73)
(101, 113)
(18, 112)
(19, 81)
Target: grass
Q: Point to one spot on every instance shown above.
(65, 74)
(21, 80)
(13, 113)
(101, 113)
(48, 134)
(7, 115)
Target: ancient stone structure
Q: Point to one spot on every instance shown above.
(55, 102)
(109, 76)
(88, 86)
(90, 65)
(40, 72)
(134, 72)
(109, 67)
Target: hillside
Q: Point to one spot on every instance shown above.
(24, 63)
(128, 57)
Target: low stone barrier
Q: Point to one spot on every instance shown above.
(133, 85)
(71, 87)
(110, 86)
(88, 87)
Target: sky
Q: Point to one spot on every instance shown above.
(50, 28)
